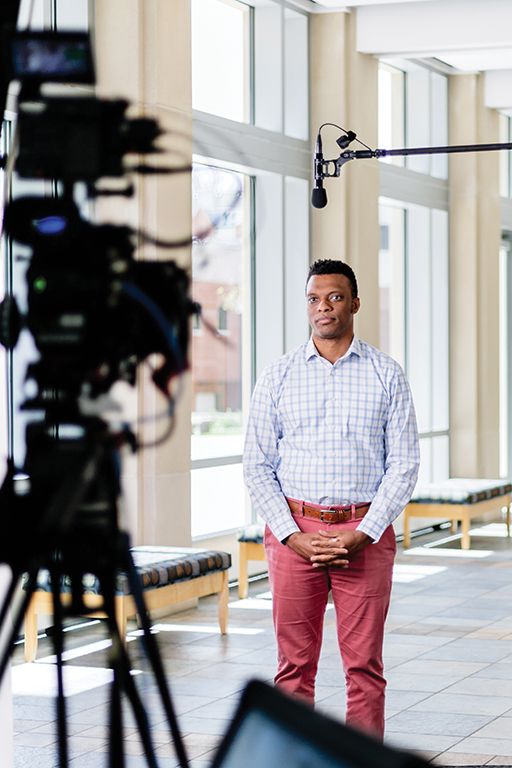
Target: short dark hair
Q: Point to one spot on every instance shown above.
(334, 267)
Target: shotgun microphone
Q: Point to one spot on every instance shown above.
(318, 195)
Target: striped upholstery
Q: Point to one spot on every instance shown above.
(460, 490)
(156, 566)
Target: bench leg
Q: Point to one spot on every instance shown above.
(223, 604)
(243, 574)
(407, 535)
(453, 526)
(465, 542)
(120, 615)
(507, 517)
(30, 632)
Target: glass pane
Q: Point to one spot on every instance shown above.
(425, 471)
(219, 263)
(418, 117)
(268, 67)
(33, 14)
(438, 123)
(73, 15)
(391, 111)
(504, 157)
(25, 350)
(218, 499)
(440, 322)
(391, 281)
(296, 256)
(440, 459)
(505, 339)
(295, 74)
(419, 338)
(220, 58)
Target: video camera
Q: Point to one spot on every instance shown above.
(94, 311)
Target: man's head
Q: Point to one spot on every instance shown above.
(333, 267)
(332, 300)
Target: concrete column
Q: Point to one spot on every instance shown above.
(475, 234)
(328, 105)
(362, 179)
(344, 91)
(150, 63)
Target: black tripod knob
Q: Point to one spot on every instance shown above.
(10, 322)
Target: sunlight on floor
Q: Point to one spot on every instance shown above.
(205, 629)
(406, 573)
(36, 679)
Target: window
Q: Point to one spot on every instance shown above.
(36, 14)
(296, 117)
(505, 336)
(391, 280)
(221, 263)
(391, 111)
(249, 268)
(505, 157)
(220, 58)
(413, 282)
(427, 335)
(413, 112)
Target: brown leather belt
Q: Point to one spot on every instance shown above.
(335, 513)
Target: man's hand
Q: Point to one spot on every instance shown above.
(336, 547)
(309, 546)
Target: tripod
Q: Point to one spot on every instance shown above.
(71, 528)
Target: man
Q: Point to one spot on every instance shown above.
(331, 458)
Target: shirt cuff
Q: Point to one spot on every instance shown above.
(293, 529)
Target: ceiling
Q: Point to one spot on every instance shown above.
(458, 36)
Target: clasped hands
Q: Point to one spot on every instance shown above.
(328, 548)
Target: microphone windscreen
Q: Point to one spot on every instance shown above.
(318, 197)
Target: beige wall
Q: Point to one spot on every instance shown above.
(143, 54)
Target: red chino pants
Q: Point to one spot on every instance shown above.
(360, 595)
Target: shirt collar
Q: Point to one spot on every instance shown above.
(354, 349)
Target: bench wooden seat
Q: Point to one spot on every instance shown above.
(459, 499)
(169, 576)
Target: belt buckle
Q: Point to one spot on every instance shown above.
(330, 510)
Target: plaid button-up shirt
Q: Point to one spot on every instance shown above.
(331, 434)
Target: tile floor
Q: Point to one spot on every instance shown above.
(448, 653)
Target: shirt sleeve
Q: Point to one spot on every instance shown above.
(401, 463)
(261, 459)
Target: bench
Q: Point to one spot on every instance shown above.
(169, 576)
(459, 499)
(250, 547)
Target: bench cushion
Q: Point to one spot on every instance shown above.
(460, 490)
(156, 566)
(252, 533)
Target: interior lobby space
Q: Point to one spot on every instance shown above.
(448, 656)
(208, 153)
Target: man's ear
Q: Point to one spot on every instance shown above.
(355, 305)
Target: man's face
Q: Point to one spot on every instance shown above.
(331, 307)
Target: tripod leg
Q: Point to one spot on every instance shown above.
(19, 613)
(153, 656)
(116, 717)
(58, 647)
(123, 681)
